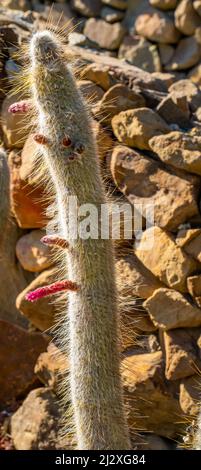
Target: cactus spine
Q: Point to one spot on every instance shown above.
(69, 151)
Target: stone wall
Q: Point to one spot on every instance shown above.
(148, 128)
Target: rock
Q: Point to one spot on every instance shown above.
(19, 350)
(135, 277)
(190, 240)
(186, 18)
(99, 75)
(190, 395)
(187, 54)
(195, 75)
(164, 4)
(180, 354)
(166, 52)
(179, 150)
(87, 7)
(194, 285)
(16, 4)
(168, 79)
(169, 309)
(121, 4)
(156, 26)
(11, 275)
(103, 138)
(189, 90)
(118, 98)
(143, 377)
(13, 125)
(153, 442)
(36, 425)
(91, 92)
(172, 266)
(26, 196)
(43, 312)
(135, 127)
(111, 15)
(143, 181)
(107, 71)
(107, 36)
(141, 53)
(172, 113)
(197, 6)
(32, 254)
(4, 194)
(52, 366)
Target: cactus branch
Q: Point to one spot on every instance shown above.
(72, 163)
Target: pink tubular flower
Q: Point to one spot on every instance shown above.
(55, 241)
(51, 289)
(20, 107)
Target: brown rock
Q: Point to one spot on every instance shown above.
(190, 240)
(168, 78)
(135, 127)
(194, 285)
(11, 275)
(4, 194)
(189, 90)
(135, 277)
(51, 367)
(166, 52)
(36, 425)
(19, 350)
(141, 53)
(87, 7)
(172, 266)
(43, 312)
(14, 126)
(118, 98)
(98, 74)
(111, 15)
(143, 377)
(197, 6)
(187, 54)
(16, 4)
(164, 4)
(186, 18)
(172, 113)
(25, 197)
(190, 395)
(156, 26)
(91, 92)
(32, 254)
(169, 309)
(107, 36)
(179, 150)
(103, 138)
(195, 76)
(121, 4)
(143, 180)
(180, 354)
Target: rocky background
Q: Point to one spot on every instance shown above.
(141, 64)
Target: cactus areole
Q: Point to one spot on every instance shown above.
(70, 156)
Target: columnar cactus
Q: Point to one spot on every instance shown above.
(69, 152)
(197, 438)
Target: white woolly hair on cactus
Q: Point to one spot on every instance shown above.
(68, 153)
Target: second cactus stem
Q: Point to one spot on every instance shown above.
(69, 152)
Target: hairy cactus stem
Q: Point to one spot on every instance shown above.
(95, 383)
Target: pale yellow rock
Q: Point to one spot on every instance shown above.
(135, 127)
(169, 309)
(178, 149)
(160, 254)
